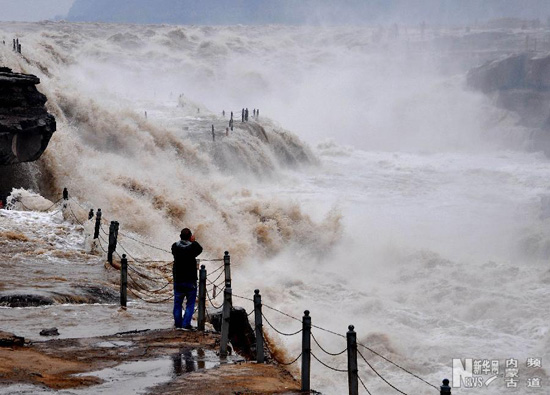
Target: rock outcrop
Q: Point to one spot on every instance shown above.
(25, 125)
(241, 334)
(520, 83)
(8, 339)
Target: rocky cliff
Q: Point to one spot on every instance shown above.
(520, 83)
(25, 125)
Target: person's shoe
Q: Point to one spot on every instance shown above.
(188, 328)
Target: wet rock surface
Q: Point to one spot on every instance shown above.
(8, 339)
(49, 332)
(25, 300)
(241, 334)
(25, 130)
(25, 125)
(186, 358)
(519, 83)
(79, 295)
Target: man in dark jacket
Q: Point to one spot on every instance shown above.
(185, 277)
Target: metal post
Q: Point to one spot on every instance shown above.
(226, 316)
(214, 291)
(117, 225)
(14, 44)
(97, 223)
(352, 361)
(445, 389)
(110, 248)
(123, 280)
(19, 48)
(227, 267)
(113, 235)
(306, 351)
(202, 299)
(91, 214)
(258, 326)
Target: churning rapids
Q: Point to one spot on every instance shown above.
(417, 215)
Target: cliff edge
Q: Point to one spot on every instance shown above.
(25, 125)
(520, 83)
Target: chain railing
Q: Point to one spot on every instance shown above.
(154, 288)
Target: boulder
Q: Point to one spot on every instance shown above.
(25, 125)
(25, 300)
(49, 332)
(8, 339)
(241, 334)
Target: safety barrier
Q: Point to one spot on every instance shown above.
(140, 287)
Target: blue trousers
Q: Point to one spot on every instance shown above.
(184, 291)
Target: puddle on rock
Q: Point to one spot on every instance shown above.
(191, 360)
(112, 344)
(136, 377)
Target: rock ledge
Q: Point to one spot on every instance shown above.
(25, 125)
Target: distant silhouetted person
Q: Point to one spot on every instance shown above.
(213, 134)
(242, 116)
(198, 110)
(246, 115)
(145, 114)
(226, 132)
(223, 113)
(258, 113)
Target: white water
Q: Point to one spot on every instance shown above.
(442, 244)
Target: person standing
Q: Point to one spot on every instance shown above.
(184, 272)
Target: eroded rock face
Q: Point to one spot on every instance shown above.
(524, 71)
(25, 125)
(520, 83)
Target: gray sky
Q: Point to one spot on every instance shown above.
(32, 10)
